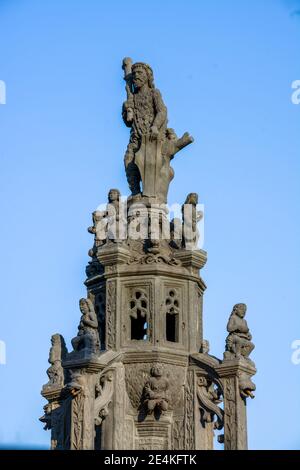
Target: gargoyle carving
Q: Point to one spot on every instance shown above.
(246, 386)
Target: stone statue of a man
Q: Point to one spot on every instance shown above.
(238, 341)
(87, 339)
(144, 111)
(152, 145)
(155, 390)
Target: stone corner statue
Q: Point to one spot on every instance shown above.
(57, 354)
(86, 343)
(152, 145)
(141, 375)
(238, 341)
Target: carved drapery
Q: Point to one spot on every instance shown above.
(189, 424)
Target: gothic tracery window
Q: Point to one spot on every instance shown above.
(172, 315)
(138, 311)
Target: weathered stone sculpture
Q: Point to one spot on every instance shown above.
(238, 342)
(151, 145)
(140, 375)
(86, 343)
(155, 391)
(57, 354)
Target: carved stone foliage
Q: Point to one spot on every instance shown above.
(178, 433)
(209, 397)
(77, 422)
(230, 435)
(189, 417)
(57, 354)
(81, 397)
(104, 392)
(111, 289)
(155, 259)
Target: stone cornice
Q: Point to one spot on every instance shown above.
(131, 357)
(232, 367)
(51, 393)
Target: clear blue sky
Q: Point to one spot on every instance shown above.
(225, 70)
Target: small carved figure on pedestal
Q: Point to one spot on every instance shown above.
(116, 218)
(238, 342)
(57, 354)
(86, 343)
(240, 346)
(190, 216)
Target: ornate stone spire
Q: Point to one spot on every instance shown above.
(140, 375)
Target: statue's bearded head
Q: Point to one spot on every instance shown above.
(142, 74)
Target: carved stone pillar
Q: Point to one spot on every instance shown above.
(233, 375)
(82, 415)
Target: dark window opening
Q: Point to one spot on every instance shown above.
(172, 327)
(101, 325)
(138, 327)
